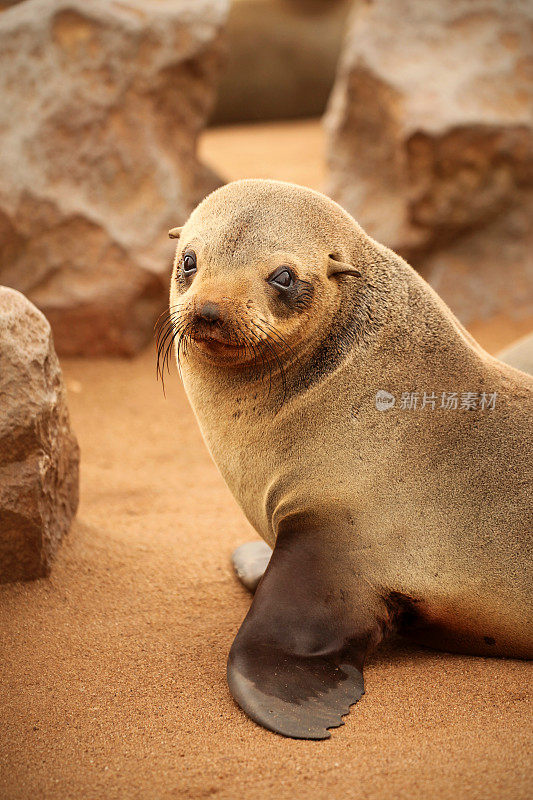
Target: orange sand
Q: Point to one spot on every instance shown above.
(285, 151)
(113, 670)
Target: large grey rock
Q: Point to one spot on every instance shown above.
(39, 455)
(431, 144)
(102, 104)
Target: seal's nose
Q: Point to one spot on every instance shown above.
(211, 313)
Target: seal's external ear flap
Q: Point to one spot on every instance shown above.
(175, 233)
(336, 267)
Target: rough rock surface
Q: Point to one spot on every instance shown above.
(282, 57)
(431, 144)
(39, 455)
(102, 104)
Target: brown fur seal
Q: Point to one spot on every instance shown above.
(368, 438)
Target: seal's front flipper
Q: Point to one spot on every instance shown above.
(250, 561)
(295, 666)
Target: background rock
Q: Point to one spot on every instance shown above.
(431, 144)
(39, 454)
(250, 560)
(520, 354)
(102, 104)
(282, 57)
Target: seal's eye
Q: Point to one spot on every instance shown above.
(282, 279)
(189, 263)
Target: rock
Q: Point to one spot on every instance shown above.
(250, 561)
(520, 354)
(282, 57)
(430, 130)
(39, 455)
(102, 105)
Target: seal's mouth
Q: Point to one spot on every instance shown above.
(211, 333)
(216, 345)
(215, 339)
(249, 342)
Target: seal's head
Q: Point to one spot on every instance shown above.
(257, 272)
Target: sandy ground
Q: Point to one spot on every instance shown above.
(285, 151)
(113, 669)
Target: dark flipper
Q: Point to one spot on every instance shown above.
(295, 666)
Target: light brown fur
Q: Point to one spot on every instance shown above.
(429, 506)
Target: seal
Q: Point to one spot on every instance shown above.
(380, 452)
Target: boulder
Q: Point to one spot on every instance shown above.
(519, 354)
(282, 56)
(39, 455)
(430, 140)
(102, 105)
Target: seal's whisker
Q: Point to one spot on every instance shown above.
(163, 336)
(166, 313)
(264, 363)
(272, 348)
(271, 338)
(182, 344)
(281, 372)
(273, 342)
(168, 327)
(183, 341)
(258, 351)
(250, 343)
(274, 332)
(170, 330)
(165, 331)
(261, 341)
